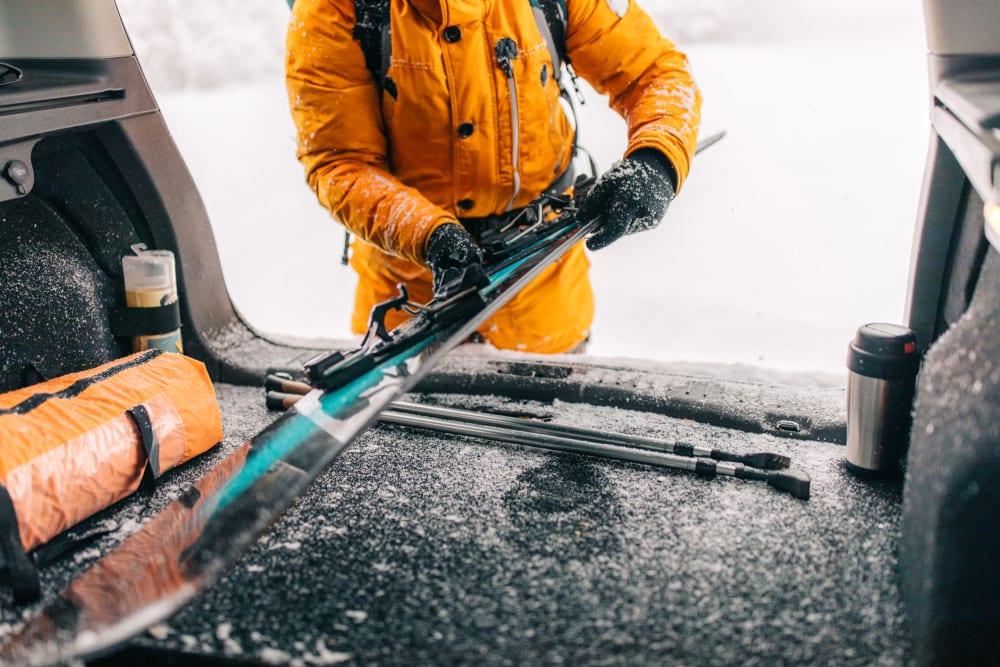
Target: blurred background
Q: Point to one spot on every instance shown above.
(788, 235)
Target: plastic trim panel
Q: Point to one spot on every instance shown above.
(62, 29)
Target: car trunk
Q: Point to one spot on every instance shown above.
(416, 547)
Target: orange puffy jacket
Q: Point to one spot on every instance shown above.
(458, 139)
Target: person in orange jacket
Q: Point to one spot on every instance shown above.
(466, 127)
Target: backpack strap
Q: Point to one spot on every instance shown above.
(551, 17)
(373, 30)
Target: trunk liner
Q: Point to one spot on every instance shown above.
(417, 548)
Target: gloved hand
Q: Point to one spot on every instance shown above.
(630, 197)
(450, 250)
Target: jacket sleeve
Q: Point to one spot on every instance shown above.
(341, 139)
(647, 79)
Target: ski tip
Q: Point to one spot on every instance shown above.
(767, 461)
(794, 481)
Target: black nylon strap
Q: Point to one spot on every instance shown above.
(32, 402)
(22, 576)
(557, 16)
(150, 443)
(368, 30)
(72, 540)
(31, 374)
(154, 321)
(385, 44)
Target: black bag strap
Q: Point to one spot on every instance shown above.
(150, 445)
(31, 374)
(69, 541)
(75, 389)
(22, 575)
(21, 570)
(72, 540)
(155, 321)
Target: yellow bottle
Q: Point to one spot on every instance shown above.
(150, 281)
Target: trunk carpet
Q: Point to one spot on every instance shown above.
(426, 549)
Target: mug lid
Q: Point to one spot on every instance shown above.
(883, 350)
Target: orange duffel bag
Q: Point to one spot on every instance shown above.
(77, 444)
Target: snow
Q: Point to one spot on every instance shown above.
(356, 615)
(788, 235)
(273, 656)
(224, 631)
(86, 554)
(159, 631)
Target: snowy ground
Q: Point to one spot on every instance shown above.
(789, 234)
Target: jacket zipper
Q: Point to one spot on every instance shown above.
(506, 51)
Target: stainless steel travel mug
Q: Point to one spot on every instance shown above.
(882, 361)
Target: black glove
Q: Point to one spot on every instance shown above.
(450, 251)
(630, 197)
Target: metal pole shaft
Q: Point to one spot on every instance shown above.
(554, 442)
(543, 428)
(550, 436)
(793, 481)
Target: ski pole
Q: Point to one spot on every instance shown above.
(795, 482)
(791, 480)
(764, 460)
(709, 141)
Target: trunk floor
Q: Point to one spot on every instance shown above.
(426, 549)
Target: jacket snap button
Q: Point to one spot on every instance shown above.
(466, 204)
(452, 33)
(465, 130)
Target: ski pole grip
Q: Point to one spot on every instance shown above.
(274, 382)
(277, 400)
(794, 481)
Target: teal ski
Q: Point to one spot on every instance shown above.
(192, 541)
